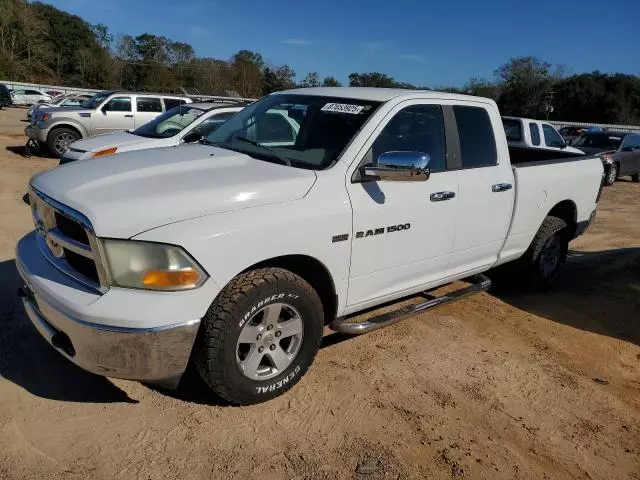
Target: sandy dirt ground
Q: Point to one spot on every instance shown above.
(494, 386)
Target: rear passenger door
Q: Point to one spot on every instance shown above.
(485, 189)
(402, 231)
(147, 108)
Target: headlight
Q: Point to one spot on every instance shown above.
(105, 152)
(152, 266)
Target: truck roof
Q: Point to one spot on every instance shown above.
(379, 94)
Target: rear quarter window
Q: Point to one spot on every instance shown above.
(535, 133)
(477, 141)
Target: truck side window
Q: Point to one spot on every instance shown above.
(148, 104)
(535, 133)
(551, 137)
(119, 104)
(169, 103)
(418, 128)
(477, 142)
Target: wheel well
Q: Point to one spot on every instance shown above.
(566, 210)
(70, 127)
(314, 272)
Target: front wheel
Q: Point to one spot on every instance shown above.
(259, 336)
(612, 175)
(60, 139)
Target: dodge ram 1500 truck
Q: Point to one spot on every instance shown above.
(231, 256)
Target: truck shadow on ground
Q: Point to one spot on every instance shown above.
(597, 292)
(27, 360)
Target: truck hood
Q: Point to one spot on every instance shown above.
(140, 190)
(123, 140)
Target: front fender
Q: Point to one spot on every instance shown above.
(226, 244)
(68, 122)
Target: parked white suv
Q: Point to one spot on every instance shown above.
(29, 96)
(186, 123)
(233, 255)
(105, 112)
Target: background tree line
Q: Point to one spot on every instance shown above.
(41, 44)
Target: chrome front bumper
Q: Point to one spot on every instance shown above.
(156, 355)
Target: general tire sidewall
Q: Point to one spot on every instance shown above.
(312, 320)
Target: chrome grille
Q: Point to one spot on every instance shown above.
(67, 240)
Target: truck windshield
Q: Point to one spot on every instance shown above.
(95, 101)
(306, 131)
(170, 123)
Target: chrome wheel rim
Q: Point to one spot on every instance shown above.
(550, 256)
(269, 341)
(613, 171)
(62, 142)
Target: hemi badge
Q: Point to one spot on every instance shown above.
(340, 238)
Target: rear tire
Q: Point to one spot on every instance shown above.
(612, 175)
(59, 140)
(259, 336)
(544, 257)
(635, 177)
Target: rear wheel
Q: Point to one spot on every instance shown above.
(60, 139)
(612, 175)
(548, 250)
(635, 177)
(259, 336)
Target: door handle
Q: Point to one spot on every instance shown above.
(501, 187)
(442, 196)
(128, 116)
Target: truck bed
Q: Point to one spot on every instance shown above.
(571, 182)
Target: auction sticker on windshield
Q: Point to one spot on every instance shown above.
(342, 108)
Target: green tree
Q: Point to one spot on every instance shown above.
(331, 82)
(376, 79)
(276, 79)
(310, 80)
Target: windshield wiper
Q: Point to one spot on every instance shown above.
(272, 152)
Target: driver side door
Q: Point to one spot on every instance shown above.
(115, 115)
(403, 231)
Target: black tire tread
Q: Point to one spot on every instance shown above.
(550, 226)
(219, 320)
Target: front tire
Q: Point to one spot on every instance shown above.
(548, 250)
(259, 336)
(60, 139)
(612, 175)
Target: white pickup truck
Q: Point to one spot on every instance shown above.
(232, 256)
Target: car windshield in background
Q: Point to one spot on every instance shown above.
(598, 140)
(305, 131)
(169, 123)
(95, 101)
(513, 129)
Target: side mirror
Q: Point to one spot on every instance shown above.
(399, 167)
(192, 137)
(105, 109)
(626, 149)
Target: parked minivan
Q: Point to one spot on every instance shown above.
(105, 112)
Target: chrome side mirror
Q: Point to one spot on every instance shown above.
(399, 167)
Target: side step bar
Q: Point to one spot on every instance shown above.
(480, 284)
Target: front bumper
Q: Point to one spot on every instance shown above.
(154, 354)
(36, 133)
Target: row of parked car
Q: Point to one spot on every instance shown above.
(72, 127)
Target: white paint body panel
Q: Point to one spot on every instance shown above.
(230, 211)
(527, 142)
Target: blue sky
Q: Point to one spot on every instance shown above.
(417, 41)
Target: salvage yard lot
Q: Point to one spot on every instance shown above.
(500, 385)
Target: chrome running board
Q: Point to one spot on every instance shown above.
(480, 284)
